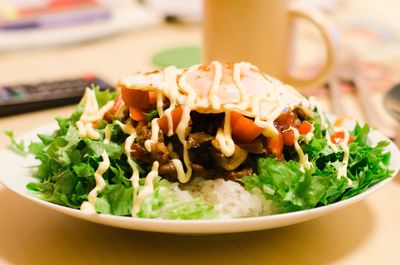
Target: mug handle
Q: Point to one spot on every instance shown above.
(327, 32)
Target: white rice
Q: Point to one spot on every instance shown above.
(229, 198)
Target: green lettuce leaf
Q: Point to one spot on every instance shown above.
(292, 188)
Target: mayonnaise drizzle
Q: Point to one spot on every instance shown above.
(303, 158)
(342, 171)
(87, 130)
(224, 137)
(126, 128)
(244, 99)
(173, 84)
(107, 134)
(170, 85)
(146, 190)
(213, 93)
(184, 122)
(135, 171)
(154, 135)
(88, 206)
(129, 129)
(91, 113)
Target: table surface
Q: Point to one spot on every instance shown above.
(365, 233)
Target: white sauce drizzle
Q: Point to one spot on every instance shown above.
(154, 135)
(87, 130)
(126, 128)
(303, 158)
(213, 93)
(135, 171)
(129, 129)
(244, 99)
(120, 111)
(342, 171)
(171, 86)
(155, 128)
(88, 207)
(160, 103)
(309, 136)
(224, 137)
(330, 144)
(91, 113)
(147, 190)
(107, 134)
(184, 122)
(263, 108)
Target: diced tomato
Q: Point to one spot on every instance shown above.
(275, 145)
(139, 99)
(288, 137)
(152, 98)
(284, 121)
(338, 137)
(136, 114)
(176, 115)
(117, 104)
(305, 127)
(244, 129)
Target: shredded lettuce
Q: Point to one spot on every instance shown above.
(16, 146)
(67, 165)
(292, 188)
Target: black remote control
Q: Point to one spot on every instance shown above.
(30, 97)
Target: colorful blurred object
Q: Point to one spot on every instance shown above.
(22, 15)
(26, 24)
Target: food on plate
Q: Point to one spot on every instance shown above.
(206, 142)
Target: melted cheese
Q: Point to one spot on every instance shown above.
(147, 189)
(88, 206)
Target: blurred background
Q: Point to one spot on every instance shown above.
(58, 40)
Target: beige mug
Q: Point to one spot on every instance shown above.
(260, 32)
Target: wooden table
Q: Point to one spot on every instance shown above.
(365, 233)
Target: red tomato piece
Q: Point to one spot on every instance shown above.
(288, 137)
(176, 115)
(275, 145)
(305, 127)
(244, 129)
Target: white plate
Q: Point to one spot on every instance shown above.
(15, 174)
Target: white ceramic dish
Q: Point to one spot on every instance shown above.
(16, 173)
